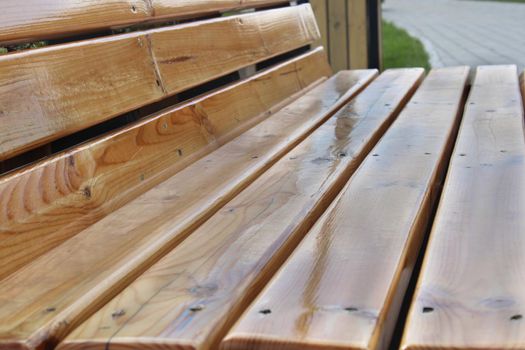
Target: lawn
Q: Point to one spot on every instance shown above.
(402, 50)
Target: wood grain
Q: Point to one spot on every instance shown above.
(343, 286)
(320, 9)
(189, 8)
(357, 34)
(32, 20)
(46, 299)
(51, 92)
(344, 31)
(45, 204)
(54, 91)
(337, 29)
(192, 296)
(191, 56)
(470, 292)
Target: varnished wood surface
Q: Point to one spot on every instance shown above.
(43, 205)
(38, 19)
(470, 294)
(192, 296)
(46, 299)
(343, 286)
(196, 55)
(51, 92)
(188, 8)
(31, 20)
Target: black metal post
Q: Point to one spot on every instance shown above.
(374, 34)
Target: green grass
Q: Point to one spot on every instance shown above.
(402, 50)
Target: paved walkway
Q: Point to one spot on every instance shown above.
(457, 32)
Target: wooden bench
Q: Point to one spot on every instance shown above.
(205, 181)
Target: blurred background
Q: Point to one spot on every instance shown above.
(422, 33)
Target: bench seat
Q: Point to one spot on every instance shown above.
(191, 296)
(352, 269)
(204, 180)
(152, 224)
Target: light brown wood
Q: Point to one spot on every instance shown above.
(342, 287)
(190, 298)
(357, 34)
(54, 91)
(344, 31)
(337, 29)
(470, 294)
(193, 56)
(320, 9)
(43, 301)
(188, 8)
(51, 92)
(45, 204)
(31, 20)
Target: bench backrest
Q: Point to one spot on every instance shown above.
(49, 93)
(35, 19)
(54, 91)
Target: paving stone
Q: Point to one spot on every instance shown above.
(457, 32)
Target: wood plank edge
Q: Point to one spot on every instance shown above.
(239, 6)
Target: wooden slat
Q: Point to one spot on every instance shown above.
(320, 9)
(344, 28)
(343, 287)
(337, 29)
(36, 19)
(225, 45)
(470, 293)
(192, 296)
(43, 301)
(45, 204)
(51, 92)
(357, 34)
(188, 8)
